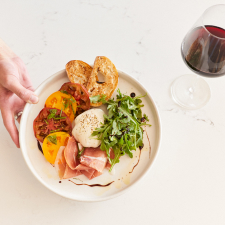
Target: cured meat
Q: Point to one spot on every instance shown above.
(88, 173)
(93, 161)
(91, 173)
(96, 174)
(82, 167)
(94, 158)
(60, 162)
(62, 168)
(69, 173)
(71, 152)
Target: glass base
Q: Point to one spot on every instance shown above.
(190, 91)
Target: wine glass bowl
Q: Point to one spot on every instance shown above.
(203, 51)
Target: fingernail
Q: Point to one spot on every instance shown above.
(33, 99)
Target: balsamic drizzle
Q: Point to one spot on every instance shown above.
(136, 163)
(94, 185)
(39, 146)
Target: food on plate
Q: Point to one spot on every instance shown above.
(91, 173)
(97, 141)
(122, 129)
(111, 156)
(68, 163)
(71, 173)
(62, 168)
(108, 70)
(64, 102)
(52, 143)
(80, 94)
(60, 162)
(51, 120)
(78, 72)
(85, 124)
(71, 152)
(94, 158)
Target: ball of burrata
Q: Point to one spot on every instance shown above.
(85, 124)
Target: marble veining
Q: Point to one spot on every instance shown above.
(186, 183)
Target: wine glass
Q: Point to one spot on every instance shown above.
(203, 51)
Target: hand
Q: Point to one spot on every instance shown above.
(15, 89)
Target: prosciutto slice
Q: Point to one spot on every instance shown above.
(82, 167)
(94, 158)
(60, 162)
(88, 173)
(71, 152)
(63, 169)
(92, 162)
(69, 173)
(91, 173)
(96, 174)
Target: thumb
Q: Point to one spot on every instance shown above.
(23, 93)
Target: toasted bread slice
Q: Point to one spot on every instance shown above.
(108, 70)
(78, 72)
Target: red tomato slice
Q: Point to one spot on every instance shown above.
(80, 93)
(43, 125)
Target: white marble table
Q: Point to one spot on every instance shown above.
(186, 184)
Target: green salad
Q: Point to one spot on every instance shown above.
(122, 129)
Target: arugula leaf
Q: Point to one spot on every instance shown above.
(98, 98)
(115, 130)
(146, 117)
(80, 152)
(95, 99)
(140, 96)
(119, 94)
(52, 139)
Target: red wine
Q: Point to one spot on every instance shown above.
(203, 50)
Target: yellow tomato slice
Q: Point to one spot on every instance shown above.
(52, 143)
(62, 101)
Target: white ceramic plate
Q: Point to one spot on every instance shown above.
(123, 179)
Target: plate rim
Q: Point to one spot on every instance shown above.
(31, 168)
